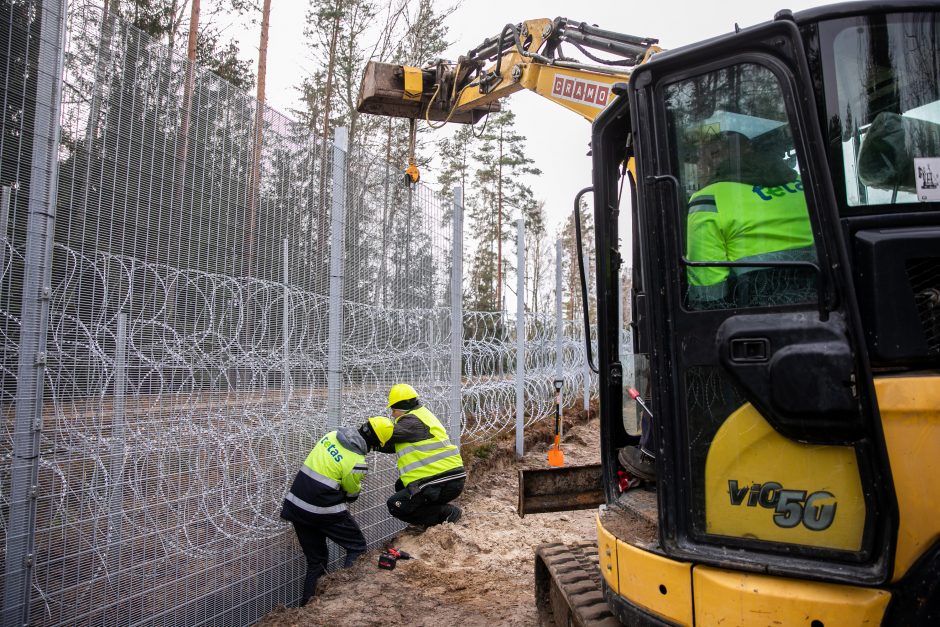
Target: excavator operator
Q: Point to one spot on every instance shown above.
(750, 207)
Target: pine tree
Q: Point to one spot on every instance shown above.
(571, 283)
(503, 162)
(457, 167)
(167, 19)
(412, 32)
(540, 261)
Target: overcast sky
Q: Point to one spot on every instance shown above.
(556, 138)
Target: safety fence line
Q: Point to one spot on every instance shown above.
(174, 339)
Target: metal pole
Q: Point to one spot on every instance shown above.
(337, 243)
(456, 320)
(117, 454)
(40, 229)
(520, 335)
(4, 224)
(408, 288)
(284, 322)
(559, 323)
(587, 367)
(383, 268)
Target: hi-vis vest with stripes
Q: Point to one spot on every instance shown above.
(430, 457)
(330, 474)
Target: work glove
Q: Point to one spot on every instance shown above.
(372, 440)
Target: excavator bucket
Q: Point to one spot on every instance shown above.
(383, 92)
(560, 489)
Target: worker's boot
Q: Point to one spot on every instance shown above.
(351, 557)
(310, 584)
(310, 590)
(637, 463)
(452, 513)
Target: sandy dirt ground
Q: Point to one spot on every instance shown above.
(478, 571)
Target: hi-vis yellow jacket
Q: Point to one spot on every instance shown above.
(330, 477)
(429, 457)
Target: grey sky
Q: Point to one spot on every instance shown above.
(556, 138)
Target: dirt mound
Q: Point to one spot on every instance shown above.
(478, 571)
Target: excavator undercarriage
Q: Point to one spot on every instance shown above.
(568, 588)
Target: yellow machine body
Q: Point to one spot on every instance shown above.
(759, 484)
(748, 450)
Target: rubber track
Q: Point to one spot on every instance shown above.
(574, 568)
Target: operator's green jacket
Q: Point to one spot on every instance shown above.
(425, 453)
(330, 478)
(730, 221)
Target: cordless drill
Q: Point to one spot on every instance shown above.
(390, 557)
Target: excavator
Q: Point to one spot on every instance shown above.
(782, 184)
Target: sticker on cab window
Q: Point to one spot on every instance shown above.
(928, 178)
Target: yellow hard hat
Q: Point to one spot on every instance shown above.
(401, 392)
(382, 427)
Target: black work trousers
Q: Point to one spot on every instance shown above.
(428, 505)
(341, 529)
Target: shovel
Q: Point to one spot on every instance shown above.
(555, 456)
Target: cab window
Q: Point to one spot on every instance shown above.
(885, 107)
(742, 191)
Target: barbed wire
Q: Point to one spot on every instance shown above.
(196, 454)
(187, 358)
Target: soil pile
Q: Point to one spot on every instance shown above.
(478, 571)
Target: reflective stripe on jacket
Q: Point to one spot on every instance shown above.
(743, 222)
(429, 457)
(330, 477)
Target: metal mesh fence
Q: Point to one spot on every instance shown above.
(211, 305)
(489, 390)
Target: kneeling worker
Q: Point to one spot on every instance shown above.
(431, 472)
(317, 502)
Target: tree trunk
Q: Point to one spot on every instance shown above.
(258, 138)
(173, 26)
(104, 47)
(182, 152)
(534, 276)
(328, 95)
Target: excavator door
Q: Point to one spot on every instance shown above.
(771, 456)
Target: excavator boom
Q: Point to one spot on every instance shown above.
(528, 55)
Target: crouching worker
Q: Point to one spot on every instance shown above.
(317, 502)
(431, 472)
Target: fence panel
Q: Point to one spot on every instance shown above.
(187, 360)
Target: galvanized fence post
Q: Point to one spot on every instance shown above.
(520, 335)
(43, 175)
(559, 324)
(456, 320)
(117, 452)
(285, 320)
(337, 257)
(4, 224)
